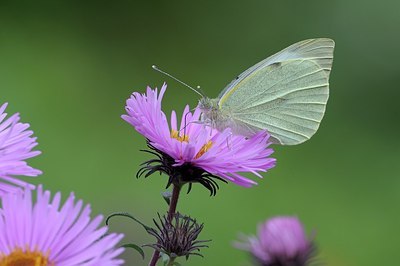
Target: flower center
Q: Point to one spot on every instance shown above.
(20, 257)
(204, 149)
(175, 135)
(185, 138)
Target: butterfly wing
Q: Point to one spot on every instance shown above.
(285, 94)
(318, 50)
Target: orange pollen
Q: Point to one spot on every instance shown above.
(175, 135)
(20, 257)
(204, 149)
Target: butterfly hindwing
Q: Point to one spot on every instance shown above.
(287, 98)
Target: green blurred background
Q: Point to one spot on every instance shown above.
(69, 66)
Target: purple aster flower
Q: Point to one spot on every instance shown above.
(16, 146)
(281, 241)
(195, 152)
(46, 233)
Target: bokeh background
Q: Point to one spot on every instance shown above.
(69, 66)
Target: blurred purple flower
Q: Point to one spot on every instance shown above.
(194, 148)
(16, 146)
(45, 233)
(281, 241)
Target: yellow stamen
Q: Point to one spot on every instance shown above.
(175, 135)
(19, 257)
(204, 149)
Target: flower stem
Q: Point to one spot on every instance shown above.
(174, 202)
(171, 212)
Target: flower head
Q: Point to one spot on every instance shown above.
(194, 147)
(281, 241)
(178, 237)
(16, 144)
(47, 234)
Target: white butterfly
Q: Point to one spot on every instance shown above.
(286, 94)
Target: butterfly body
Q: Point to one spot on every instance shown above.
(285, 94)
(222, 118)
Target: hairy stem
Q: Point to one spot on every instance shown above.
(171, 212)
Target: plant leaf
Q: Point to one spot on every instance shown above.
(125, 214)
(135, 247)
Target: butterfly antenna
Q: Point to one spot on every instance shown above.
(198, 90)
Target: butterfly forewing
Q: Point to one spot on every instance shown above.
(287, 98)
(318, 50)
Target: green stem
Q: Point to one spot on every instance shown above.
(171, 261)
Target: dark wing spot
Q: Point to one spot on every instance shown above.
(276, 64)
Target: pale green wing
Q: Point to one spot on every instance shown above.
(288, 99)
(318, 50)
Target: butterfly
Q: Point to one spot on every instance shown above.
(285, 94)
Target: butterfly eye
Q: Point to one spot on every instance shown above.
(204, 103)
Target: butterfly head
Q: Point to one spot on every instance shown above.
(209, 109)
(208, 105)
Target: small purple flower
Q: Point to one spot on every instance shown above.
(16, 146)
(281, 241)
(194, 148)
(45, 233)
